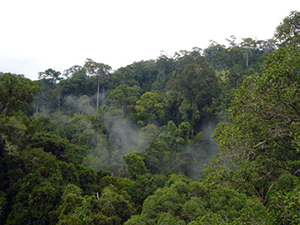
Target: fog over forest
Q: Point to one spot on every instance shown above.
(207, 136)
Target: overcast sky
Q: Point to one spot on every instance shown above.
(36, 34)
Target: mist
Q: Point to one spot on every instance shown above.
(121, 138)
(81, 105)
(118, 136)
(202, 152)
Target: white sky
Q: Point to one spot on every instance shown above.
(37, 34)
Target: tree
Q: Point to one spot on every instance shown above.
(183, 201)
(51, 76)
(174, 137)
(164, 65)
(37, 192)
(249, 45)
(149, 108)
(262, 140)
(58, 146)
(99, 73)
(77, 83)
(216, 55)
(114, 205)
(288, 32)
(73, 70)
(16, 93)
(77, 209)
(124, 96)
(136, 165)
(145, 73)
(144, 186)
(197, 85)
(50, 98)
(172, 150)
(124, 76)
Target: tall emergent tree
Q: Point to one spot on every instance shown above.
(50, 98)
(99, 73)
(51, 76)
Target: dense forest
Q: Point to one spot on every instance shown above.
(207, 136)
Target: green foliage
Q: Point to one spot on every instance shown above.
(149, 108)
(148, 134)
(124, 76)
(144, 186)
(76, 209)
(70, 199)
(168, 218)
(142, 74)
(165, 66)
(112, 203)
(197, 85)
(49, 142)
(116, 137)
(3, 204)
(184, 201)
(153, 157)
(233, 64)
(50, 98)
(68, 172)
(265, 107)
(216, 55)
(124, 96)
(37, 192)
(58, 146)
(16, 93)
(77, 83)
(284, 205)
(288, 32)
(12, 132)
(71, 164)
(259, 147)
(51, 76)
(176, 138)
(175, 152)
(99, 74)
(110, 208)
(136, 165)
